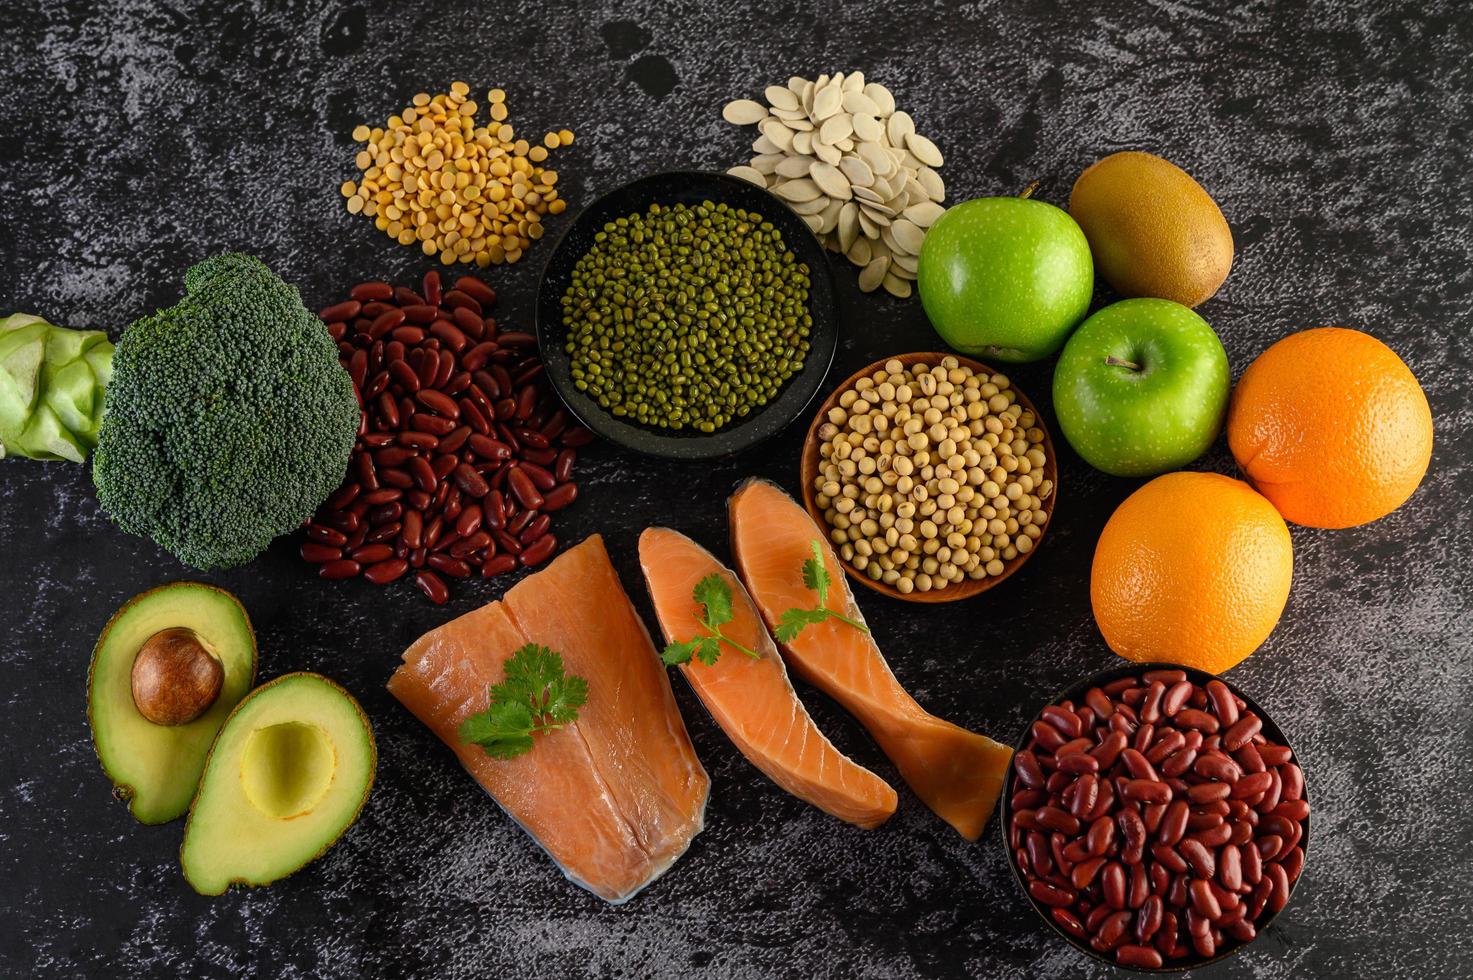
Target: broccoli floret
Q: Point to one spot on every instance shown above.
(228, 419)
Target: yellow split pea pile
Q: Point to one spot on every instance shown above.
(466, 193)
(929, 475)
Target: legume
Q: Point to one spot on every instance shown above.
(452, 414)
(1174, 839)
(930, 475)
(686, 317)
(465, 193)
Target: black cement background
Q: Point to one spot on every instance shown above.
(137, 137)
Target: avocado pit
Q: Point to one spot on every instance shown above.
(175, 679)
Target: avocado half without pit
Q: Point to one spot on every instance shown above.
(288, 774)
(166, 672)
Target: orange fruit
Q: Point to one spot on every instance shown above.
(1331, 426)
(1193, 568)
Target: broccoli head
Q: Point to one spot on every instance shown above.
(228, 419)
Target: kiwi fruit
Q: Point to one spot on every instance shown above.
(1153, 230)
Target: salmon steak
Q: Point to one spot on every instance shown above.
(955, 772)
(614, 797)
(751, 698)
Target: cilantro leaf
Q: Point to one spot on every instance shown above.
(791, 623)
(535, 695)
(503, 730)
(531, 669)
(714, 595)
(708, 650)
(816, 576)
(675, 654)
(564, 697)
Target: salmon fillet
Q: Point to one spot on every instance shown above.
(752, 700)
(614, 797)
(957, 773)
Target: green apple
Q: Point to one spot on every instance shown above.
(1005, 278)
(1141, 387)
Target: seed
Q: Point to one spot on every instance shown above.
(827, 100)
(798, 191)
(924, 150)
(872, 190)
(688, 317)
(748, 174)
(432, 177)
(907, 235)
(427, 481)
(899, 126)
(831, 181)
(874, 273)
(837, 127)
(743, 112)
(923, 529)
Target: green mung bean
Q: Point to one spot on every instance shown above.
(686, 317)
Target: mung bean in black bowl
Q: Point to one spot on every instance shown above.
(687, 315)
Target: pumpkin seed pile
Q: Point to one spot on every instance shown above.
(687, 318)
(840, 153)
(929, 475)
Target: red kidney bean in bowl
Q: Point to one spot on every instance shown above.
(1156, 817)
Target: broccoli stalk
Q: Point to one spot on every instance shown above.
(228, 419)
(51, 381)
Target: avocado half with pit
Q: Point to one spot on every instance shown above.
(288, 774)
(166, 672)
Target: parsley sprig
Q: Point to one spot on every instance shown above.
(537, 695)
(713, 595)
(815, 577)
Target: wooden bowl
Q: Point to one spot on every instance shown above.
(956, 590)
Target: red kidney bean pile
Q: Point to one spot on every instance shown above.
(1155, 821)
(463, 452)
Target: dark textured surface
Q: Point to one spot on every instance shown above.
(139, 136)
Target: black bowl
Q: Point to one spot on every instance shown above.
(688, 187)
(1076, 693)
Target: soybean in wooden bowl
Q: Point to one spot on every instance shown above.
(1093, 696)
(668, 190)
(968, 587)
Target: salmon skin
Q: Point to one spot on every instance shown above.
(614, 797)
(752, 699)
(957, 773)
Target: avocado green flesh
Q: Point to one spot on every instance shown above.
(287, 776)
(156, 768)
